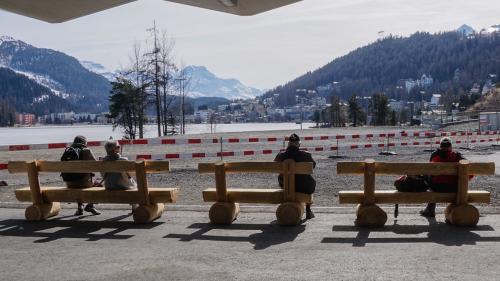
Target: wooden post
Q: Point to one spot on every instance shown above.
(289, 180)
(142, 182)
(220, 181)
(463, 182)
(369, 182)
(36, 194)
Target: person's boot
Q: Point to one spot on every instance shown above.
(134, 206)
(429, 211)
(309, 212)
(79, 210)
(91, 209)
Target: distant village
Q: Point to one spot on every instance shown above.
(310, 106)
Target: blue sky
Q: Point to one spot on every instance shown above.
(262, 51)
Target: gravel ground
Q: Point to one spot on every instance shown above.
(185, 176)
(184, 246)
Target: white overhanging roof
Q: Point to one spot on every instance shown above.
(56, 11)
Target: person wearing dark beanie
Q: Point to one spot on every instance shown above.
(79, 151)
(303, 183)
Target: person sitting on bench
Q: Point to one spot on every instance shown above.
(116, 181)
(303, 183)
(444, 183)
(79, 151)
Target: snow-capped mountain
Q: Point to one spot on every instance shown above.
(204, 83)
(99, 69)
(62, 74)
(466, 30)
(493, 28)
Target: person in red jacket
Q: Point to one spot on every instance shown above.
(444, 183)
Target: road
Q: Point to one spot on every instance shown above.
(183, 246)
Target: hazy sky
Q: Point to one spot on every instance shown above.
(262, 51)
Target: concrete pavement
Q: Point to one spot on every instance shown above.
(182, 245)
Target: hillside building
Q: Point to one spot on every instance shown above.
(25, 119)
(489, 121)
(435, 99)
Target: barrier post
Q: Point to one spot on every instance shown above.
(387, 151)
(432, 142)
(337, 155)
(498, 138)
(337, 148)
(221, 150)
(468, 139)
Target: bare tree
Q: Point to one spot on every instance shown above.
(212, 120)
(168, 69)
(154, 72)
(137, 74)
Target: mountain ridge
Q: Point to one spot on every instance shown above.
(205, 83)
(454, 61)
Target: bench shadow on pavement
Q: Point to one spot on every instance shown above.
(437, 232)
(62, 227)
(268, 234)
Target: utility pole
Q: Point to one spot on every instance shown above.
(157, 86)
(182, 96)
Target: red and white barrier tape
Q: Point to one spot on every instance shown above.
(199, 155)
(159, 141)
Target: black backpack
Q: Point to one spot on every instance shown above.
(71, 154)
(412, 184)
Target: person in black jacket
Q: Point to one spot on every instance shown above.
(303, 183)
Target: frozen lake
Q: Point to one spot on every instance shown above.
(48, 134)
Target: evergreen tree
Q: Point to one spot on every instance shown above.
(317, 117)
(380, 109)
(7, 114)
(337, 113)
(124, 106)
(355, 111)
(393, 119)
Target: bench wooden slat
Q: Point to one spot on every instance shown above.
(88, 166)
(304, 168)
(255, 195)
(99, 195)
(424, 168)
(394, 197)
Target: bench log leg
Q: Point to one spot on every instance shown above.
(38, 212)
(462, 215)
(148, 213)
(223, 212)
(290, 213)
(370, 216)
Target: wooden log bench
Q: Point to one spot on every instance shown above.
(458, 212)
(226, 207)
(46, 200)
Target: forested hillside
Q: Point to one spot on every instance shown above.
(21, 94)
(87, 90)
(454, 61)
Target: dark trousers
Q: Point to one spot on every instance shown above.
(445, 188)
